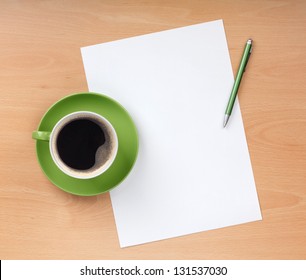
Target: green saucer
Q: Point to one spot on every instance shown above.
(127, 138)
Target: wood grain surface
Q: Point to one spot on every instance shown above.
(40, 62)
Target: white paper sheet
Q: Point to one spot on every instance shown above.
(191, 174)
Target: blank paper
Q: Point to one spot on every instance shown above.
(191, 174)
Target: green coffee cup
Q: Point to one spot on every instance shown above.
(108, 132)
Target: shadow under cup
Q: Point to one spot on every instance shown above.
(83, 144)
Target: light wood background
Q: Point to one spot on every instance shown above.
(40, 62)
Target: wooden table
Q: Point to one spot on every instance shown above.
(41, 62)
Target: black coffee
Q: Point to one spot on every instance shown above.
(77, 143)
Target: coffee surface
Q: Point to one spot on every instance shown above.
(78, 142)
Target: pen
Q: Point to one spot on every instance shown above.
(242, 66)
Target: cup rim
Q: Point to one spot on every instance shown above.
(99, 171)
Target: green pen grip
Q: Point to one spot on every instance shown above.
(41, 135)
(242, 66)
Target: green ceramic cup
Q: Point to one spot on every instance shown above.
(109, 170)
(102, 156)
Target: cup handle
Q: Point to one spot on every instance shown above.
(41, 135)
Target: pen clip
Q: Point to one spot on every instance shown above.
(248, 58)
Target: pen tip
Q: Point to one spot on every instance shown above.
(226, 117)
(250, 41)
